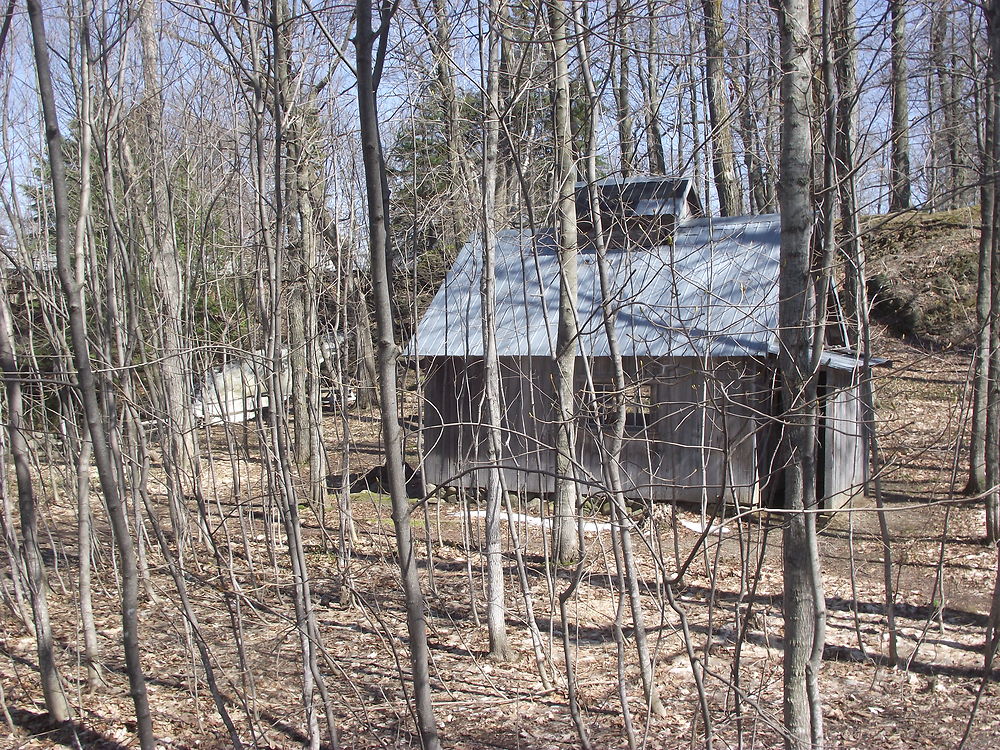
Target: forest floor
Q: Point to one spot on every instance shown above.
(942, 571)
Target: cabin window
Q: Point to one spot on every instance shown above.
(638, 404)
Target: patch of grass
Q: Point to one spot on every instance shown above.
(370, 496)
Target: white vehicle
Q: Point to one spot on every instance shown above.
(235, 391)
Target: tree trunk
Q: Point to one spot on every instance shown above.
(899, 168)
(84, 552)
(845, 63)
(295, 232)
(992, 162)
(761, 187)
(723, 162)
(73, 291)
(978, 439)
(457, 163)
(797, 328)
(173, 364)
(946, 143)
(651, 98)
(359, 317)
(83, 444)
(495, 607)
(565, 542)
(388, 353)
(281, 476)
(622, 89)
(852, 248)
(52, 689)
(611, 445)
(300, 346)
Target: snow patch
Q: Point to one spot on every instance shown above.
(700, 528)
(589, 526)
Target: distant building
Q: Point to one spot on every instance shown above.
(696, 317)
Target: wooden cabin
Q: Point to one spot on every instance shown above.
(696, 309)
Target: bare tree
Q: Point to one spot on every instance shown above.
(173, 364)
(723, 162)
(72, 287)
(991, 152)
(842, 21)
(991, 179)
(611, 445)
(980, 436)
(751, 122)
(286, 188)
(52, 688)
(441, 49)
(621, 83)
(565, 541)
(945, 143)
(495, 608)
(797, 310)
(899, 137)
(649, 71)
(369, 72)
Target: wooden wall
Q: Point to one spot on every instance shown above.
(845, 455)
(454, 440)
(697, 440)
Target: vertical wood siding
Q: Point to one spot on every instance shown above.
(703, 430)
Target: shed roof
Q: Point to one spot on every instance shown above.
(713, 292)
(641, 196)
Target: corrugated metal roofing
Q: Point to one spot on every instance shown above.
(714, 292)
(841, 360)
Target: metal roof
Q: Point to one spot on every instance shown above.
(713, 292)
(843, 359)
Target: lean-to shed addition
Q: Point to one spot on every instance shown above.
(696, 310)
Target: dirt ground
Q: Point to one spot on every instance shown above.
(942, 573)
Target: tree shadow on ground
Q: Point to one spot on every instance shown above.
(71, 733)
(77, 735)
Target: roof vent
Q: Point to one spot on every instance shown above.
(638, 211)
